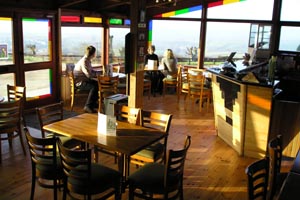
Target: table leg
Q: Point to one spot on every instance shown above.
(123, 165)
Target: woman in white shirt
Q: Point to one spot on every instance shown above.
(83, 73)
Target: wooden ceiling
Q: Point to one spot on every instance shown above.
(110, 8)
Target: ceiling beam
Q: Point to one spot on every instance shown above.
(71, 3)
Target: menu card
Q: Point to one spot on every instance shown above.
(106, 125)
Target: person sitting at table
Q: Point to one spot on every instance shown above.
(169, 63)
(151, 56)
(155, 76)
(84, 74)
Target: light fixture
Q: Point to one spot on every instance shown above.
(157, 1)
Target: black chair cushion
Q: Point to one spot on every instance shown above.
(102, 178)
(149, 177)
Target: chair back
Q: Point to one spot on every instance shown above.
(258, 174)
(128, 114)
(44, 157)
(107, 85)
(174, 168)
(196, 83)
(275, 155)
(76, 166)
(10, 117)
(156, 120)
(49, 114)
(15, 92)
(74, 89)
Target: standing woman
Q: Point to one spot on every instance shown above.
(83, 73)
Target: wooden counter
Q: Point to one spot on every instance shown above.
(242, 113)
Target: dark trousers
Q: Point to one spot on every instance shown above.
(92, 99)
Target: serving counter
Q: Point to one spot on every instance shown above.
(242, 111)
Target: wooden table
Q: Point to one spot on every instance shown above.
(291, 186)
(130, 138)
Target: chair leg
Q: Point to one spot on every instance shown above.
(33, 180)
(131, 192)
(72, 102)
(22, 143)
(55, 189)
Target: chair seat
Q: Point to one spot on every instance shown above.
(149, 177)
(152, 152)
(102, 178)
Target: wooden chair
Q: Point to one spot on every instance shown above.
(122, 113)
(74, 89)
(196, 88)
(171, 83)
(107, 85)
(147, 87)
(276, 177)
(17, 93)
(53, 113)
(160, 181)
(258, 174)
(82, 177)
(157, 151)
(10, 123)
(45, 162)
(128, 114)
(182, 86)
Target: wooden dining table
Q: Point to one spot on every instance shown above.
(290, 189)
(129, 139)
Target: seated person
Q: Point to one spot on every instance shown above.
(156, 77)
(170, 64)
(83, 73)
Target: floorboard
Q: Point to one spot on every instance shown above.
(213, 170)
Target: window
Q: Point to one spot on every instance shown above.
(117, 44)
(76, 39)
(223, 38)
(8, 78)
(290, 10)
(245, 9)
(36, 40)
(289, 39)
(6, 42)
(180, 36)
(38, 84)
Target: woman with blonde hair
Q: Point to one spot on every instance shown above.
(170, 64)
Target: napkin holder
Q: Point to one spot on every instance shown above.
(106, 125)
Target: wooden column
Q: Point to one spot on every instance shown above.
(137, 76)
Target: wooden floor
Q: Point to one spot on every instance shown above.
(213, 170)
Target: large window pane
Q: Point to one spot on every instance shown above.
(249, 9)
(223, 38)
(38, 84)
(117, 44)
(289, 39)
(290, 10)
(37, 40)
(6, 79)
(76, 39)
(6, 41)
(180, 36)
